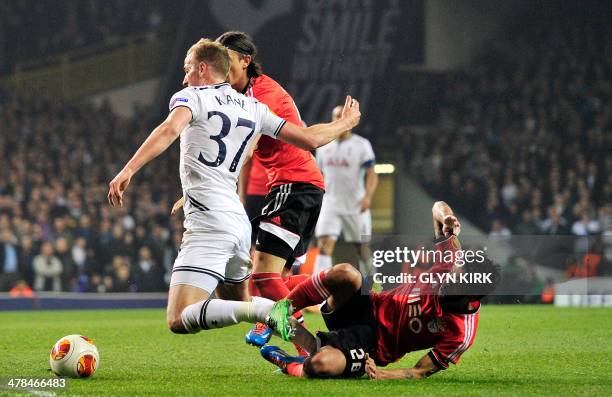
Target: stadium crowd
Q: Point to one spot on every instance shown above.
(522, 145)
(57, 231)
(75, 24)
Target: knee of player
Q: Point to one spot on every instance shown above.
(322, 365)
(345, 273)
(175, 325)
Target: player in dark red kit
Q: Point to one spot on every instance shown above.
(295, 184)
(375, 329)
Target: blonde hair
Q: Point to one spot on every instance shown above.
(212, 53)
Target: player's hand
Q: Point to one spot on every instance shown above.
(117, 186)
(351, 112)
(370, 368)
(177, 205)
(451, 226)
(365, 204)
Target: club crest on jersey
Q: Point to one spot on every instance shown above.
(436, 325)
(338, 162)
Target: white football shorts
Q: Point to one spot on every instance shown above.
(355, 228)
(214, 250)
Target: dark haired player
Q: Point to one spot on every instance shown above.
(295, 184)
(373, 330)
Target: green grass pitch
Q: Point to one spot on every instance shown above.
(519, 351)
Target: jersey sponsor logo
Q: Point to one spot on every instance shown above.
(337, 162)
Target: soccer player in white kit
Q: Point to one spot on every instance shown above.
(217, 127)
(348, 167)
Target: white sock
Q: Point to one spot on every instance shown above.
(323, 262)
(219, 313)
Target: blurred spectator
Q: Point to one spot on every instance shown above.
(26, 258)
(585, 226)
(548, 293)
(607, 248)
(9, 260)
(21, 290)
(123, 280)
(47, 268)
(499, 232)
(554, 224)
(526, 226)
(148, 274)
(69, 270)
(79, 255)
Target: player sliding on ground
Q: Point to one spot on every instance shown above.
(370, 330)
(217, 126)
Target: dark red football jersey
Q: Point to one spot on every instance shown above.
(410, 318)
(284, 163)
(258, 179)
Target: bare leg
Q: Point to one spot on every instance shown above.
(234, 292)
(304, 339)
(179, 297)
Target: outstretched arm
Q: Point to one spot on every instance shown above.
(157, 142)
(318, 135)
(371, 182)
(422, 369)
(445, 223)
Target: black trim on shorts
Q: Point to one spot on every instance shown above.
(236, 280)
(194, 269)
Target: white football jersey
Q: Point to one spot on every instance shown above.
(213, 146)
(344, 164)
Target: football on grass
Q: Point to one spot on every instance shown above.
(74, 356)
